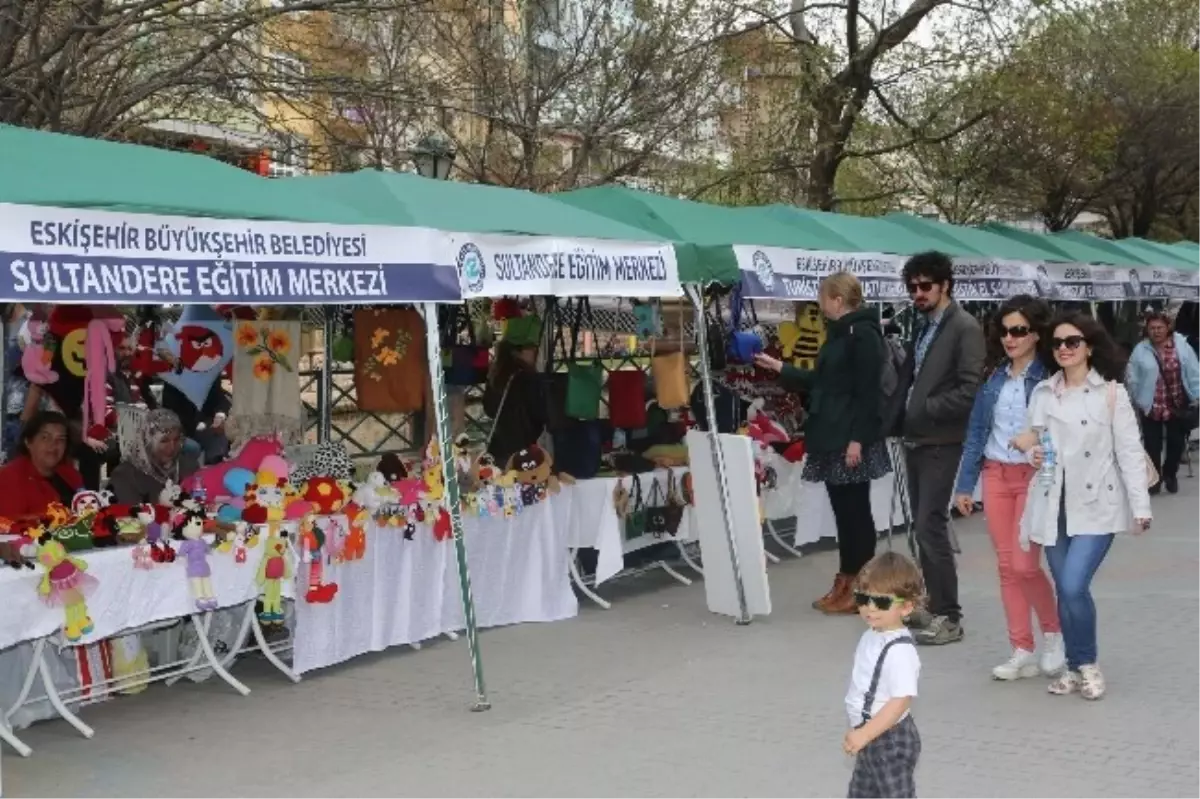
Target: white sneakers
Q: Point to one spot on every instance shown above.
(1054, 654)
(1088, 681)
(1091, 682)
(1024, 663)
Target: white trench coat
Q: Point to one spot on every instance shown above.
(1099, 456)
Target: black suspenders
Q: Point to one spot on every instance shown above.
(869, 697)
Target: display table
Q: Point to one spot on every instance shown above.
(125, 598)
(809, 504)
(406, 591)
(592, 519)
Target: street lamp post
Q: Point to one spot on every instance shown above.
(434, 157)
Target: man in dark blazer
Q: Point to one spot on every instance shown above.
(941, 376)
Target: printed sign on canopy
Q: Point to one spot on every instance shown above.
(499, 266)
(78, 255)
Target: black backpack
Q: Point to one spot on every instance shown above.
(891, 392)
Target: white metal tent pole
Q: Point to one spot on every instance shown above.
(451, 503)
(696, 295)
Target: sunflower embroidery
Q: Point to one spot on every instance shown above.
(383, 355)
(268, 346)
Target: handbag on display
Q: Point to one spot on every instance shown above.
(627, 399)
(730, 409)
(670, 372)
(662, 517)
(465, 364)
(578, 446)
(635, 520)
(585, 377)
(743, 344)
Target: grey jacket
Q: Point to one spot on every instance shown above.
(944, 390)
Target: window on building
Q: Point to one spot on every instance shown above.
(289, 157)
(286, 70)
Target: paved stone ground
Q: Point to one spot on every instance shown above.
(659, 698)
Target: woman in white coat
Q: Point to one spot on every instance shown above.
(1094, 487)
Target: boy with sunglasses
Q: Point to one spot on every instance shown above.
(883, 681)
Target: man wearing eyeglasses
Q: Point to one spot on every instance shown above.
(942, 374)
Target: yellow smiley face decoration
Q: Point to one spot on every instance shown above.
(73, 352)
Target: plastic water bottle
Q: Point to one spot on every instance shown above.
(1049, 459)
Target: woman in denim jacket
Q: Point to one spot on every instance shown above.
(1163, 380)
(999, 414)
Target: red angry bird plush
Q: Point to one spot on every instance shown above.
(200, 349)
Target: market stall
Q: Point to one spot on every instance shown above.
(563, 256)
(182, 557)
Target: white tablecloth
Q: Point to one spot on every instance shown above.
(591, 518)
(125, 597)
(809, 504)
(404, 592)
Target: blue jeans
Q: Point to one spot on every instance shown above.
(1074, 561)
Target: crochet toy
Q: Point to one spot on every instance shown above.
(66, 584)
(189, 526)
(273, 569)
(316, 546)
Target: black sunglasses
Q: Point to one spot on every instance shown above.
(923, 286)
(1020, 331)
(880, 601)
(1070, 342)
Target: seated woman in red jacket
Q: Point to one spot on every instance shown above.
(39, 473)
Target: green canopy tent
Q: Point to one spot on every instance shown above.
(712, 230)
(53, 169)
(53, 172)
(984, 243)
(873, 234)
(1151, 252)
(1095, 251)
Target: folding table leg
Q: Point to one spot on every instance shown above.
(211, 657)
(56, 701)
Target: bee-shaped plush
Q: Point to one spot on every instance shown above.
(810, 325)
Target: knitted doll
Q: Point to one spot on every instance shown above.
(66, 584)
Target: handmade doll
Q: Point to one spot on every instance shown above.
(273, 569)
(66, 584)
(240, 538)
(314, 546)
(189, 526)
(355, 547)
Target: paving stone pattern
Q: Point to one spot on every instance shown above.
(657, 697)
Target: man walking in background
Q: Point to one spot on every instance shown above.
(942, 373)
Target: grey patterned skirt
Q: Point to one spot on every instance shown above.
(830, 467)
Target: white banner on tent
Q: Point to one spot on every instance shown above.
(498, 266)
(83, 255)
(787, 274)
(780, 273)
(1172, 284)
(773, 272)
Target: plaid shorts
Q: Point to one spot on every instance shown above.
(885, 766)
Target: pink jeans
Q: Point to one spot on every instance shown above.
(1024, 587)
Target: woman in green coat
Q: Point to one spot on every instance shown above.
(843, 441)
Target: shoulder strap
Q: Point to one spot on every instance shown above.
(869, 697)
(499, 411)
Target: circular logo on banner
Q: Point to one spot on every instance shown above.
(471, 269)
(764, 270)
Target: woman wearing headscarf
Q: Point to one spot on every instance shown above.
(157, 458)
